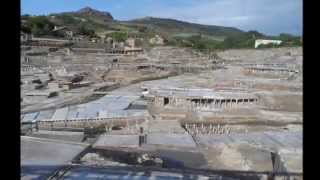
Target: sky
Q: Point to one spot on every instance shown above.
(270, 17)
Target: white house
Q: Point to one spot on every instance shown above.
(158, 40)
(258, 42)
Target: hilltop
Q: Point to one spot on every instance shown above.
(88, 13)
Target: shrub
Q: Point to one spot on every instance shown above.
(119, 36)
(39, 25)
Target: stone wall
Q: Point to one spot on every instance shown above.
(83, 123)
(202, 103)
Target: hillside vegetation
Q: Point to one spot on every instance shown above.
(171, 26)
(244, 40)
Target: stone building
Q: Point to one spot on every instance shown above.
(127, 48)
(117, 44)
(65, 31)
(273, 70)
(157, 40)
(109, 40)
(130, 42)
(24, 37)
(201, 99)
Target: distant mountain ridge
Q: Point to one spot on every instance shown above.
(159, 25)
(177, 26)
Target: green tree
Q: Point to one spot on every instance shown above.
(119, 36)
(39, 25)
(83, 30)
(289, 40)
(25, 29)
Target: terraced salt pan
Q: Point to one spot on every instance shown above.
(108, 106)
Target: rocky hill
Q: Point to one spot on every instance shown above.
(88, 12)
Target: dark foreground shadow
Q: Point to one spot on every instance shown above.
(38, 172)
(82, 172)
